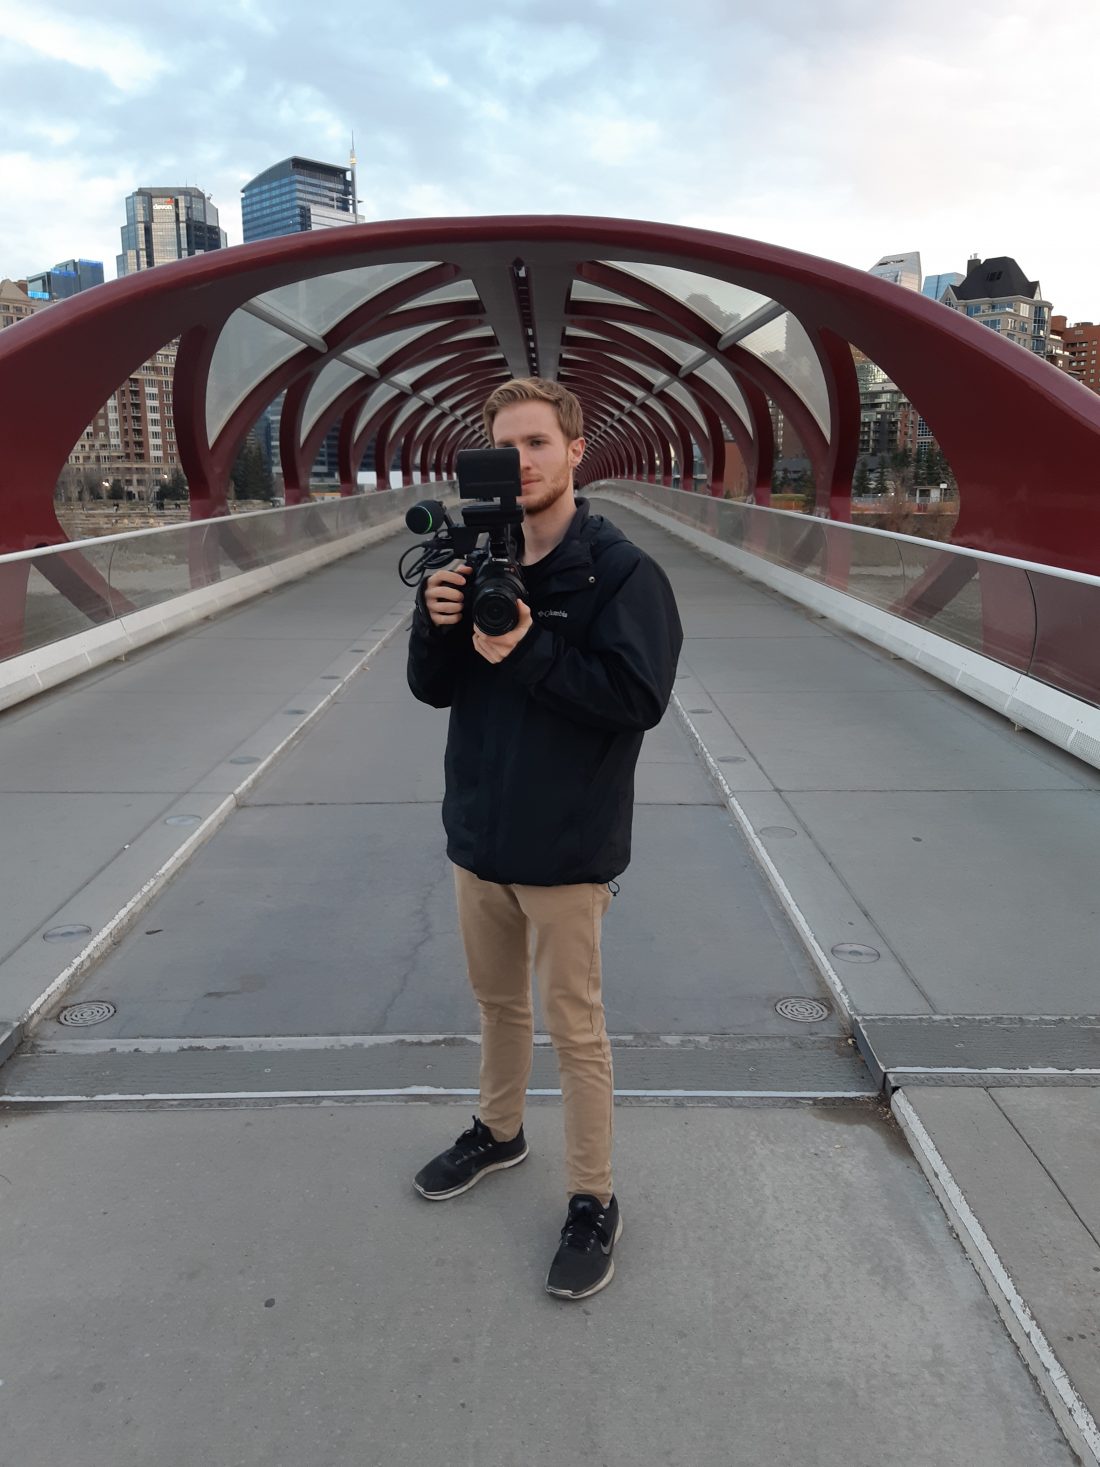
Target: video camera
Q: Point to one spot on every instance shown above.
(491, 476)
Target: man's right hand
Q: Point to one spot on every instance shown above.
(443, 594)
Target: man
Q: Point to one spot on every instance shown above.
(545, 729)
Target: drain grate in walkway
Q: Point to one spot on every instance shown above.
(82, 1015)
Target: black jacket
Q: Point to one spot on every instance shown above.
(541, 747)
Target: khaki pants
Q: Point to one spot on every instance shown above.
(497, 925)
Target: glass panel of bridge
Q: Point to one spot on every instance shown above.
(590, 332)
(479, 361)
(377, 348)
(651, 374)
(47, 613)
(985, 606)
(246, 351)
(720, 303)
(653, 405)
(147, 569)
(1066, 652)
(455, 290)
(432, 417)
(331, 381)
(413, 407)
(716, 376)
(628, 391)
(875, 570)
(381, 395)
(684, 398)
(584, 290)
(317, 304)
(785, 347)
(408, 375)
(681, 352)
(452, 386)
(466, 350)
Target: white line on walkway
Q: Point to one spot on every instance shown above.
(395, 1092)
(1011, 1021)
(1073, 1415)
(782, 890)
(988, 1070)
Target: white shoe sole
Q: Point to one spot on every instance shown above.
(603, 1283)
(497, 1166)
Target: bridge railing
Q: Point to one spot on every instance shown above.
(1036, 619)
(58, 593)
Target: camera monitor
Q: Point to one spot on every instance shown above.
(488, 473)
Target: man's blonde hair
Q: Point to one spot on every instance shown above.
(536, 389)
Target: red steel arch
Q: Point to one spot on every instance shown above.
(1022, 438)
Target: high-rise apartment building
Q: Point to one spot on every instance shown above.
(164, 224)
(1080, 350)
(886, 419)
(901, 270)
(786, 444)
(997, 293)
(133, 436)
(295, 195)
(65, 280)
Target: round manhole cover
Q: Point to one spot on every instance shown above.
(245, 759)
(295, 711)
(856, 952)
(330, 677)
(731, 759)
(68, 933)
(777, 832)
(182, 819)
(802, 1010)
(80, 1015)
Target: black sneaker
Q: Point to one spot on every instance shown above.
(583, 1264)
(473, 1155)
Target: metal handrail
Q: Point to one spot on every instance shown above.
(1027, 565)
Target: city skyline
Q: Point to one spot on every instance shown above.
(836, 130)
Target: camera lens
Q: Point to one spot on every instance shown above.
(495, 609)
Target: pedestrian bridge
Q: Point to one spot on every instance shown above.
(850, 976)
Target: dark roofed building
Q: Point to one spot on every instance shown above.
(997, 293)
(995, 278)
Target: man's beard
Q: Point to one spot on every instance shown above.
(548, 494)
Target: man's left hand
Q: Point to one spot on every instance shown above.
(496, 649)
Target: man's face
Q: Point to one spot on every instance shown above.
(546, 457)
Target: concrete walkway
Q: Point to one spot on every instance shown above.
(788, 1289)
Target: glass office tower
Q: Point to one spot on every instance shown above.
(295, 195)
(65, 280)
(935, 285)
(901, 270)
(291, 197)
(165, 224)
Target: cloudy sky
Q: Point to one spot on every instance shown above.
(848, 128)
